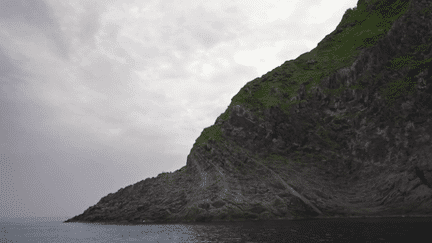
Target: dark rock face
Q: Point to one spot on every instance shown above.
(342, 130)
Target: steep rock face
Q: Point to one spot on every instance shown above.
(342, 130)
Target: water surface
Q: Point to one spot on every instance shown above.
(319, 230)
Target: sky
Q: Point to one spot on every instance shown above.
(96, 95)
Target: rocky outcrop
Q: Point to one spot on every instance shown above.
(342, 130)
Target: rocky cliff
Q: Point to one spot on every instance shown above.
(344, 129)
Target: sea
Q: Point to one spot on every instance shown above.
(46, 229)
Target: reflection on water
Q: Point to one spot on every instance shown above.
(319, 230)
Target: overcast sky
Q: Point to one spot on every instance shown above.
(96, 95)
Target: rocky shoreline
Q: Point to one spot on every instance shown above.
(149, 222)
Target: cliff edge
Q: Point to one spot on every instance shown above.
(343, 130)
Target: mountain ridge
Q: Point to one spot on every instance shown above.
(340, 131)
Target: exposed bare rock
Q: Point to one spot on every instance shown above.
(344, 129)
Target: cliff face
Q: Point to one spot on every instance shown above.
(344, 129)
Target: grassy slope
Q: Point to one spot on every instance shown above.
(359, 28)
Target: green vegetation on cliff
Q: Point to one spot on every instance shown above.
(213, 132)
(360, 28)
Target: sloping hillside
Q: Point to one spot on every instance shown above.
(342, 130)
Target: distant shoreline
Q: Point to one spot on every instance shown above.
(281, 219)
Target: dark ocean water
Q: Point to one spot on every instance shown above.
(320, 230)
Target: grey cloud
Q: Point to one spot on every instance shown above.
(175, 71)
(136, 133)
(90, 20)
(89, 25)
(113, 47)
(206, 38)
(147, 52)
(33, 12)
(210, 28)
(7, 66)
(112, 30)
(61, 160)
(11, 63)
(232, 9)
(157, 97)
(23, 15)
(240, 74)
(107, 77)
(103, 115)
